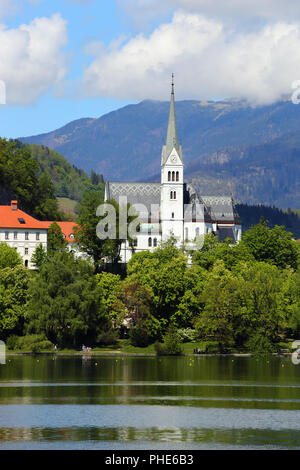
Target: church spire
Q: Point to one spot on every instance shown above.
(172, 137)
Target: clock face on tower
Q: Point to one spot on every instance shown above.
(173, 158)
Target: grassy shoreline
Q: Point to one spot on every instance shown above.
(124, 348)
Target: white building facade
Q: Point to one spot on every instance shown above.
(25, 233)
(173, 207)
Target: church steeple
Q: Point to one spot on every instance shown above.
(172, 136)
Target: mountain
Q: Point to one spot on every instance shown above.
(227, 145)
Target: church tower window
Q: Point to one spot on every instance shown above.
(149, 242)
(177, 175)
(174, 195)
(169, 176)
(173, 175)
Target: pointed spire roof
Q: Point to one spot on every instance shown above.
(172, 136)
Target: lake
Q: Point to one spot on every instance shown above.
(163, 403)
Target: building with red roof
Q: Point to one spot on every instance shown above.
(24, 233)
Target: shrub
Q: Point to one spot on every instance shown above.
(259, 344)
(187, 335)
(39, 346)
(172, 344)
(107, 338)
(30, 343)
(139, 337)
(11, 342)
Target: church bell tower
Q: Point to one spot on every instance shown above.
(172, 202)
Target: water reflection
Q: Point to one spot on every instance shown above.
(219, 401)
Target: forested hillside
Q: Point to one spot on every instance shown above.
(69, 181)
(251, 215)
(21, 179)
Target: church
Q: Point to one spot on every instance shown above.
(174, 207)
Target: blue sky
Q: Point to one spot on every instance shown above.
(98, 21)
(68, 59)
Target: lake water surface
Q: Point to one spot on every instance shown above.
(149, 403)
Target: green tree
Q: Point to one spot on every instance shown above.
(216, 320)
(230, 253)
(13, 296)
(56, 240)
(39, 256)
(172, 345)
(161, 271)
(138, 301)
(65, 302)
(273, 246)
(19, 176)
(85, 232)
(9, 257)
(110, 285)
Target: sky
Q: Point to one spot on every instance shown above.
(62, 60)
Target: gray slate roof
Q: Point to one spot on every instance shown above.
(137, 193)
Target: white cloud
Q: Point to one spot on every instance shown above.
(31, 58)
(270, 10)
(208, 61)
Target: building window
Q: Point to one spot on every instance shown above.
(171, 195)
(174, 195)
(149, 242)
(26, 251)
(37, 235)
(169, 176)
(26, 263)
(26, 236)
(186, 233)
(172, 215)
(15, 235)
(155, 242)
(6, 236)
(177, 175)
(173, 175)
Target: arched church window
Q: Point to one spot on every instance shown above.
(173, 175)
(171, 195)
(172, 215)
(177, 175)
(186, 233)
(169, 176)
(155, 242)
(174, 195)
(149, 242)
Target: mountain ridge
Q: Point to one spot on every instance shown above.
(225, 146)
